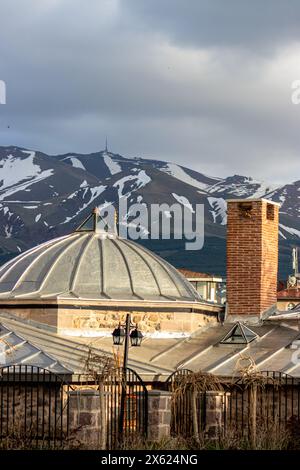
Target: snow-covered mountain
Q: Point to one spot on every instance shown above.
(43, 196)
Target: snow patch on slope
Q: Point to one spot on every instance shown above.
(76, 163)
(95, 192)
(17, 174)
(291, 231)
(184, 201)
(241, 186)
(6, 211)
(14, 169)
(141, 179)
(8, 231)
(280, 193)
(178, 173)
(263, 189)
(219, 206)
(113, 166)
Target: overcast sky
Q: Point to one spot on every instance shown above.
(203, 83)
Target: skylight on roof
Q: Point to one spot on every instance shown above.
(239, 334)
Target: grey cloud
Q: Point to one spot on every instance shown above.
(157, 79)
(241, 23)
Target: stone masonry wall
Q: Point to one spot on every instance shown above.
(159, 414)
(45, 315)
(215, 408)
(85, 417)
(33, 410)
(96, 322)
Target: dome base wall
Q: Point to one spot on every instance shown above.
(94, 321)
(97, 323)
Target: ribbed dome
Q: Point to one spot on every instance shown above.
(91, 265)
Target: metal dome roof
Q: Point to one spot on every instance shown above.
(92, 264)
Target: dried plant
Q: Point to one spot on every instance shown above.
(196, 381)
(253, 380)
(99, 368)
(247, 374)
(275, 438)
(195, 384)
(10, 350)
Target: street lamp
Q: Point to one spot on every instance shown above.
(118, 335)
(125, 332)
(121, 333)
(136, 337)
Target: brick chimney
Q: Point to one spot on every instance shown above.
(252, 257)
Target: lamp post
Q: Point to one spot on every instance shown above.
(121, 333)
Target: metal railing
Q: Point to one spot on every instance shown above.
(270, 404)
(33, 406)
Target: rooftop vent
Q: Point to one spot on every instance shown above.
(239, 334)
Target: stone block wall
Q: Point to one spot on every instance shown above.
(35, 410)
(159, 414)
(83, 319)
(85, 417)
(215, 409)
(97, 322)
(48, 316)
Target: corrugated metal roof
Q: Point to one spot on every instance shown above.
(156, 359)
(204, 350)
(83, 265)
(70, 353)
(17, 350)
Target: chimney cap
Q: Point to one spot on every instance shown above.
(268, 201)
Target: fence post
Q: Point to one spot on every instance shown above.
(159, 414)
(215, 413)
(85, 418)
(195, 416)
(253, 414)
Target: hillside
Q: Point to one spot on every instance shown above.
(43, 196)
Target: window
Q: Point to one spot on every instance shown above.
(245, 209)
(270, 212)
(201, 289)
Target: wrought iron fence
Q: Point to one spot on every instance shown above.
(33, 406)
(184, 406)
(131, 421)
(275, 402)
(35, 412)
(272, 403)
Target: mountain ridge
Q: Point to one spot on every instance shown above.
(43, 196)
